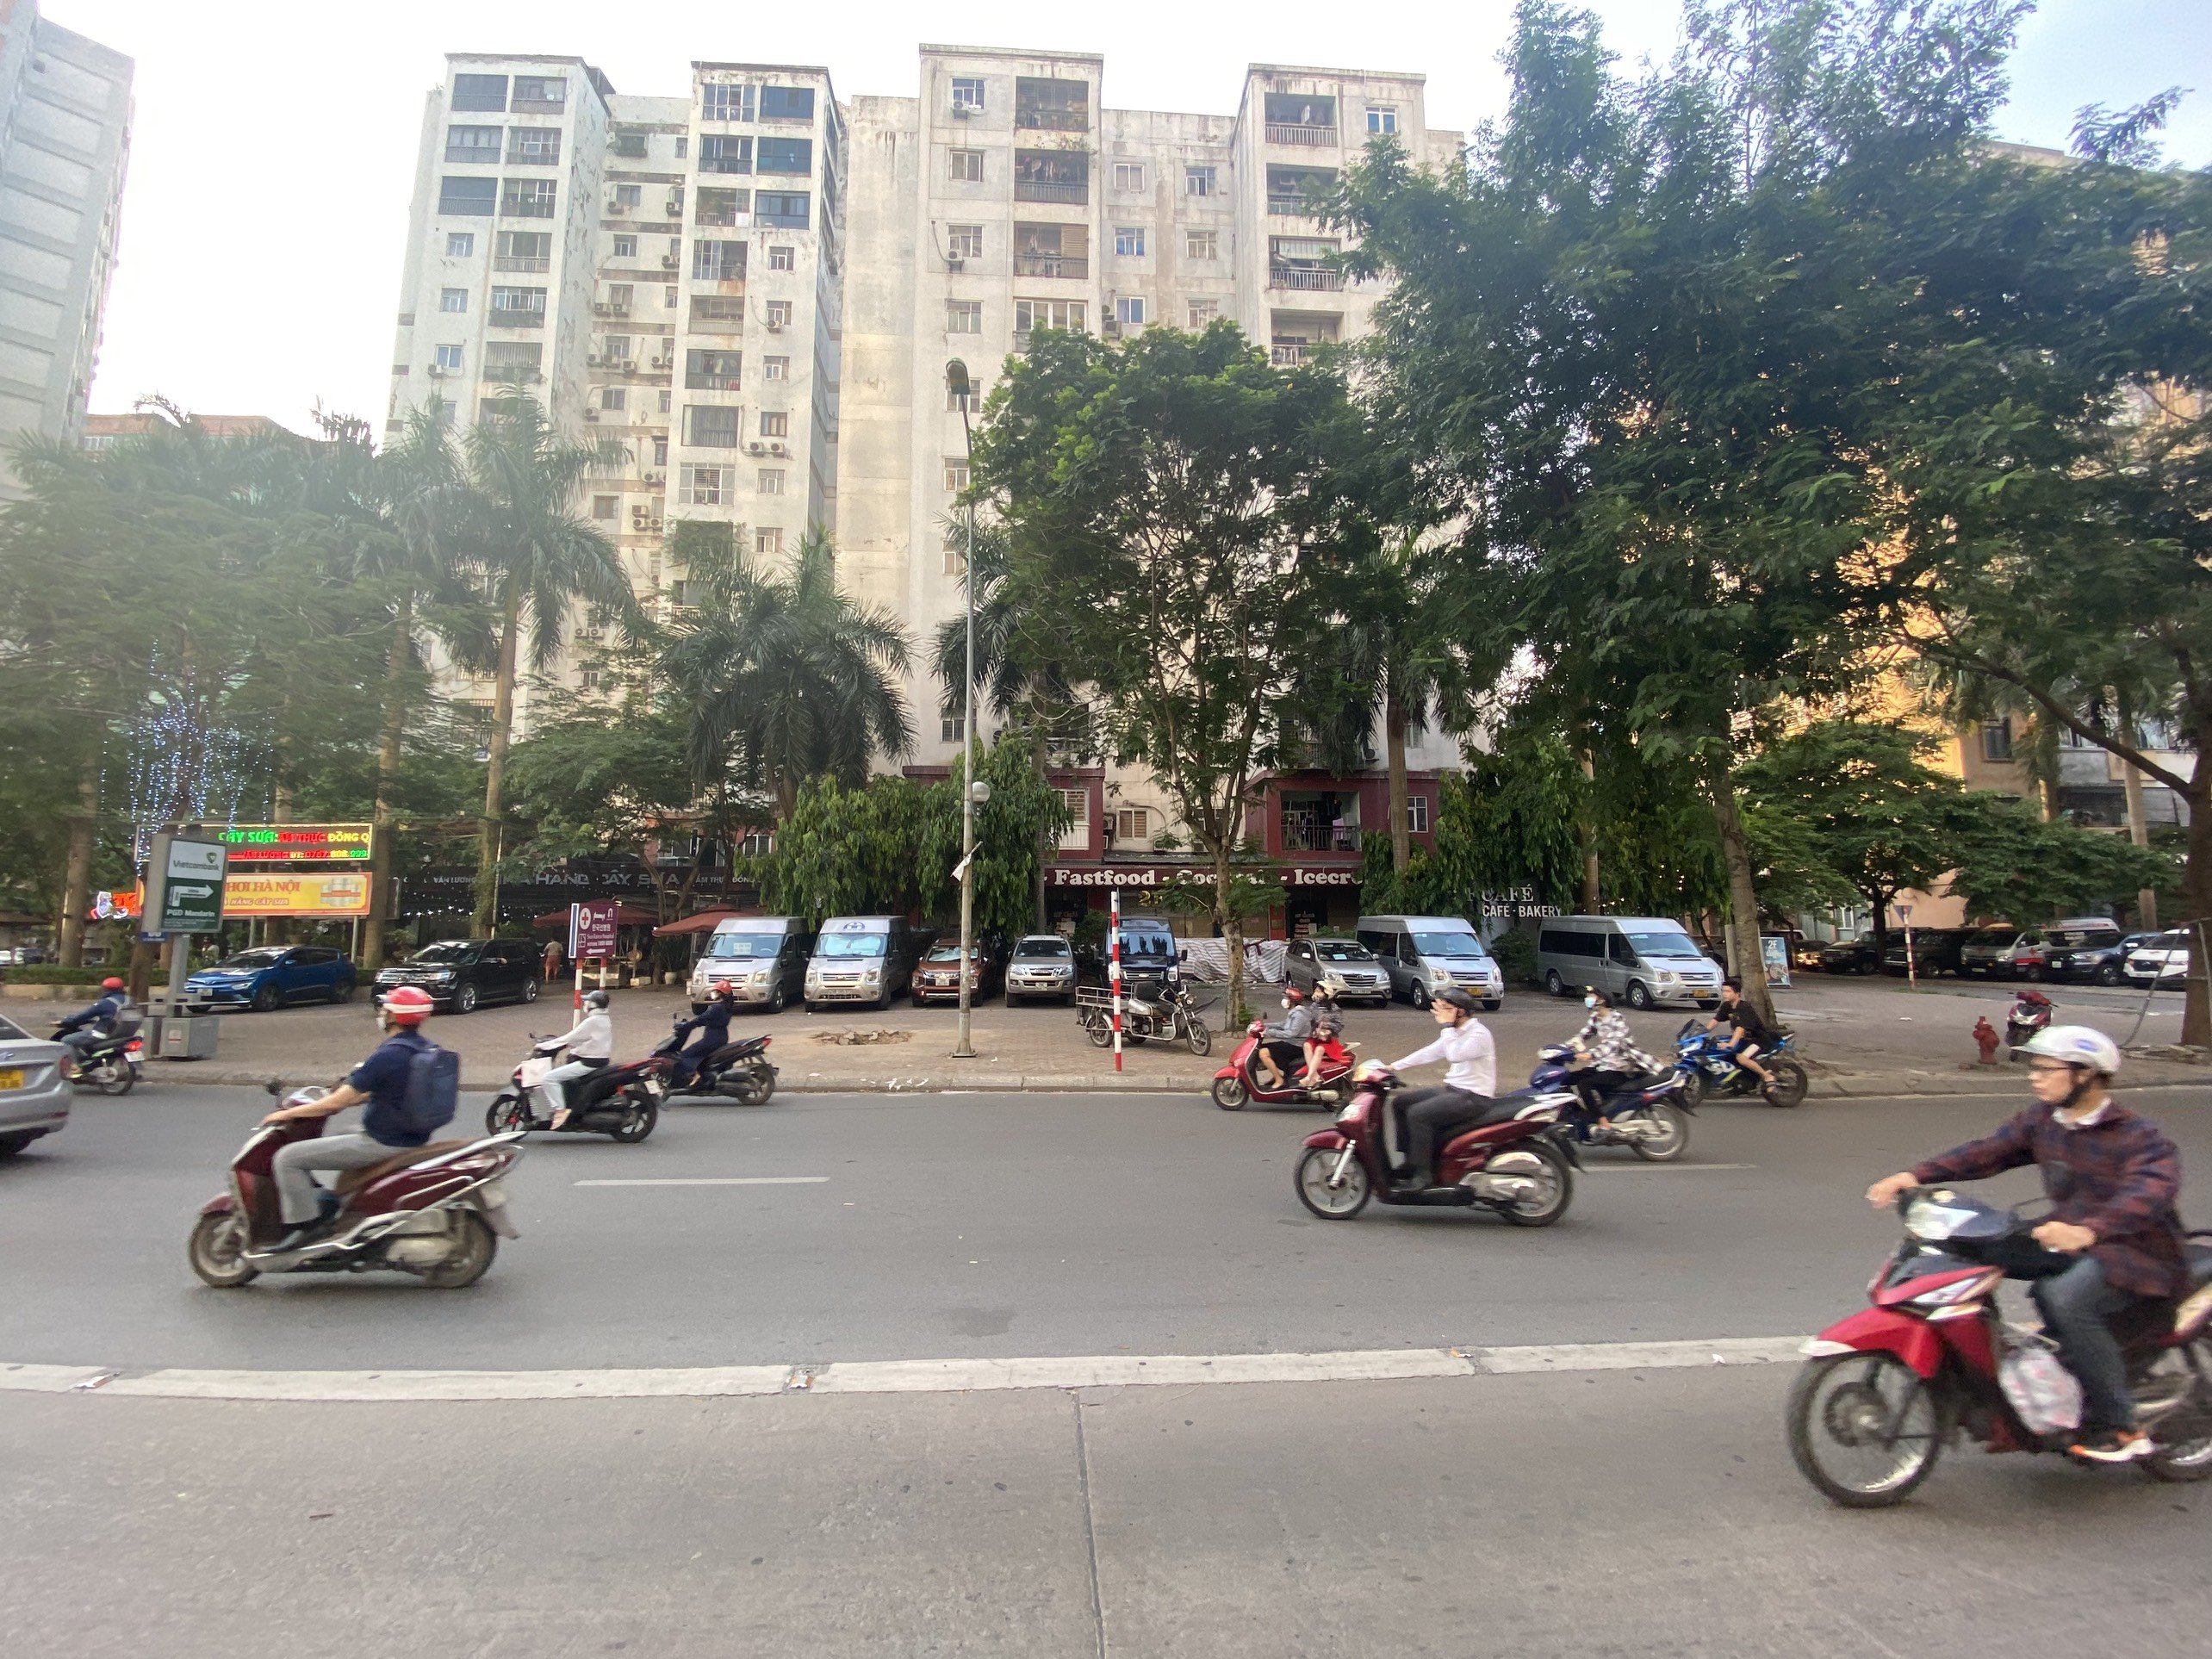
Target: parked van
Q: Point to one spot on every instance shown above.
(1424, 954)
(1640, 960)
(1151, 955)
(762, 959)
(860, 958)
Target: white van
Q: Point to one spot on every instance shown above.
(860, 958)
(762, 959)
(1640, 960)
(1424, 954)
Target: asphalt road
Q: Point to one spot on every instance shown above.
(970, 1226)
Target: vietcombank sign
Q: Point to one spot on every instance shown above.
(190, 871)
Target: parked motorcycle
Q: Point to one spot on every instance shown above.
(622, 1102)
(1512, 1159)
(1645, 1115)
(438, 1212)
(737, 1070)
(1239, 1082)
(1883, 1389)
(2031, 1012)
(114, 1064)
(1705, 1067)
(1166, 1018)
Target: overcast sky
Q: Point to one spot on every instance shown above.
(275, 142)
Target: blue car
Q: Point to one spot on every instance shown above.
(271, 976)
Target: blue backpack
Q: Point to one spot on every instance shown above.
(434, 1091)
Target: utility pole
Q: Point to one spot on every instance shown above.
(957, 382)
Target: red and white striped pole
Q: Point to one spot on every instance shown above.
(1114, 967)
(575, 962)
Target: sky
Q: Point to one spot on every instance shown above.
(274, 145)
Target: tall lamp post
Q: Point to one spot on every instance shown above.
(957, 382)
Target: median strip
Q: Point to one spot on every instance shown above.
(710, 1181)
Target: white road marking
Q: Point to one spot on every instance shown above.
(909, 1376)
(713, 1180)
(1594, 1169)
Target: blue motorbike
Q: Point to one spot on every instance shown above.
(1704, 1067)
(1646, 1114)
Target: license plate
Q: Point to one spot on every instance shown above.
(12, 1078)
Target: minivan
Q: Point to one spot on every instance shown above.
(1151, 955)
(1424, 954)
(860, 958)
(762, 959)
(1640, 960)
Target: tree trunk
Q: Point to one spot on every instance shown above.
(487, 830)
(1742, 894)
(77, 871)
(1041, 756)
(2138, 831)
(388, 773)
(1393, 745)
(1586, 830)
(141, 972)
(2196, 899)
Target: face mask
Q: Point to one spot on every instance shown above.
(1286, 1002)
(1590, 1003)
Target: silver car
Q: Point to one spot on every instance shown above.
(1345, 966)
(33, 1094)
(1043, 965)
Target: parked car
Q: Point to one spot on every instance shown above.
(1858, 955)
(1151, 956)
(1639, 959)
(1345, 966)
(270, 976)
(762, 959)
(2059, 941)
(1992, 951)
(1042, 965)
(1424, 954)
(860, 958)
(34, 1094)
(2102, 964)
(461, 973)
(1934, 950)
(936, 977)
(2164, 961)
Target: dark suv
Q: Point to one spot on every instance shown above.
(1934, 950)
(1858, 955)
(459, 974)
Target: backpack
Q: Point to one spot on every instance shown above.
(434, 1091)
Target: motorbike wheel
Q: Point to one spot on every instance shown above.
(1099, 1030)
(638, 1118)
(1695, 1088)
(1789, 1085)
(217, 1251)
(1550, 1201)
(2188, 1458)
(1340, 1202)
(505, 1113)
(117, 1077)
(1201, 1039)
(1863, 1428)
(475, 1246)
(1671, 1146)
(1230, 1094)
(764, 1085)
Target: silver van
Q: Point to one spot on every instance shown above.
(1424, 954)
(762, 959)
(860, 958)
(1640, 960)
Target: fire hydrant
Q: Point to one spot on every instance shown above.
(1986, 1040)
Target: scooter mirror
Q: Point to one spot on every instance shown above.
(272, 1085)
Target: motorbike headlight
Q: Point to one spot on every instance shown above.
(1925, 1218)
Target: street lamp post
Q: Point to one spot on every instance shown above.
(957, 382)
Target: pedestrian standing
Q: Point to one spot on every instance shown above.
(552, 961)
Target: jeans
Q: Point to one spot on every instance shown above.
(294, 1166)
(80, 1043)
(552, 1093)
(2077, 1306)
(1428, 1114)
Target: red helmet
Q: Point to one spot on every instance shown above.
(1293, 994)
(111, 982)
(407, 1005)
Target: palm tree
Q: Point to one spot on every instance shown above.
(538, 559)
(782, 675)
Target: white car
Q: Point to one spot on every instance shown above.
(2164, 961)
(33, 1094)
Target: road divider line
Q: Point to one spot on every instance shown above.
(901, 1376)
(712, 1181)
(1596, 1169)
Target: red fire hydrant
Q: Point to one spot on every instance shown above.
(1985, 1039)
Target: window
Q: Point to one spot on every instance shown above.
(460, 245)
(518, 305)
(700, 486)
(775, 424)
(617, 298)
(713, 371)
(1202, 314)
(968, 94)
(668, 299)
(786, 103)
(963, 241)
(683, 146)
(1382, 118)
(769, 544)
(629, 195)
(1417, 814)
(721, 207)
(1202, 244)
(775, 368)
(723, 102)
(479, 92)
(452, 299)
(956, 474)
(1047, 314)
(1133, 823)
(546, 93)
(526, 198)
(451, 358)
(626, 247)
(964, 166)
(721, 152)
(1076, 838)
(706, 428)
(1129, 311)
(479, 145)
(964, 316)
(604, 507)
(589, 677)
(776, 313)
(661, 439)
(772, 481)
(955, 552)
(786, 155)
(787, 209)
(1198, 181)
(630, 144)
(1128, 175)
(952, 728)
(974, 396)
(534, 146)
(783, 259)
(523, 251)
(720, 314)
(717, 262)
(1129, 241)
(511, 360)
(472, 198)
(618, 348)
(615, 397)
(1996, 740)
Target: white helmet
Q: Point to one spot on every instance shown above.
(2077, 1045)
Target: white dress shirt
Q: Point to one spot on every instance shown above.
(593, 1038)
(1470, 1054)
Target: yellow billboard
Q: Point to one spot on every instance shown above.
(297, 892)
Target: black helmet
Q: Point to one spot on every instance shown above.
(1459, 999)
(1594, 993)
(596, 999)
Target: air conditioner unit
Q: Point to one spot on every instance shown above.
(778, 449)
(668, 261)
(674, 206)
(601, 308)
(614, 208)
(437, 372)
(592, 361)
(954, 262)
(656, 478)
(591, 415)
(757, 448)
(655, 523)
(664, 363)
(963, 112)
(774, 326)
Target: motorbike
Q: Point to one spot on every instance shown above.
(1883, 1389)
(114, 1064)
(1238, 1083)
(1644, 1114)
(1512, 1159)
(622, 1102)
(1704, 1066)
(438, 1212)
(1166, 1017)
(737, 1070)
(2031, 1013)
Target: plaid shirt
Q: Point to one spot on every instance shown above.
(2119, 1177)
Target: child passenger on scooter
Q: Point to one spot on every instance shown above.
(1328, 1027)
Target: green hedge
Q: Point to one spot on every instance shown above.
(48, 974)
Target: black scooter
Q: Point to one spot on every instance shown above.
(737, 1070)
(112, 1065)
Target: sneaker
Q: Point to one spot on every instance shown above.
(2111, 1446)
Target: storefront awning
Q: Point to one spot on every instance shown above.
(703, 922)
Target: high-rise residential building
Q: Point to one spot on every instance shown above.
(64, 135)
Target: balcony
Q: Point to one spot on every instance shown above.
(470, 155)
(523, 206)
(1289, 354)
(511, 373)
(516, 261)
(1044, 189)
(522, 106)
(1046, 118)
(1298, 133)
(516, 319)
(1290, 206)
(533, 159)
(1310, 279)
(1303, 833)
(1072, 267)
(778, 221)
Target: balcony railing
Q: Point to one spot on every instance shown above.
(532, 158)
(470, 155)
(1304, 276)
(523, 206)
(518, 262)
(1289, 354)
(713, 383)
(1042, 119)
(1039, 190)
(780, 221)
(1298, 133)
(1074, 266)
(714, 271)
(502, 318)
(1302, 835)
(725, 164)
(1290, 206)
(500, 374)
(522, 106)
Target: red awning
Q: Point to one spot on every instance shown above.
(625, 916)
(703, 922)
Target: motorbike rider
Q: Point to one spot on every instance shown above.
(88, 1027)
(1752, 1033)
(1470, 1080)
(2114, 1240)
(381, 1081)
(1614, 1059)
(591, 1049)
(712, 1025)
(1291, 1030)
(1328, 1027)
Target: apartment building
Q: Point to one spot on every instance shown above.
(65, 138)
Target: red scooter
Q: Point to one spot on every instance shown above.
(1884, 1388)
(438, 1212)
(1512, 1159)
(1239, 1081)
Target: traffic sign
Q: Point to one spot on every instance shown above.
(592, 928)
(186, 878)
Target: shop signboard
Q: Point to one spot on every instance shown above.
(297, 892)
(297, 843)
(592, 928)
